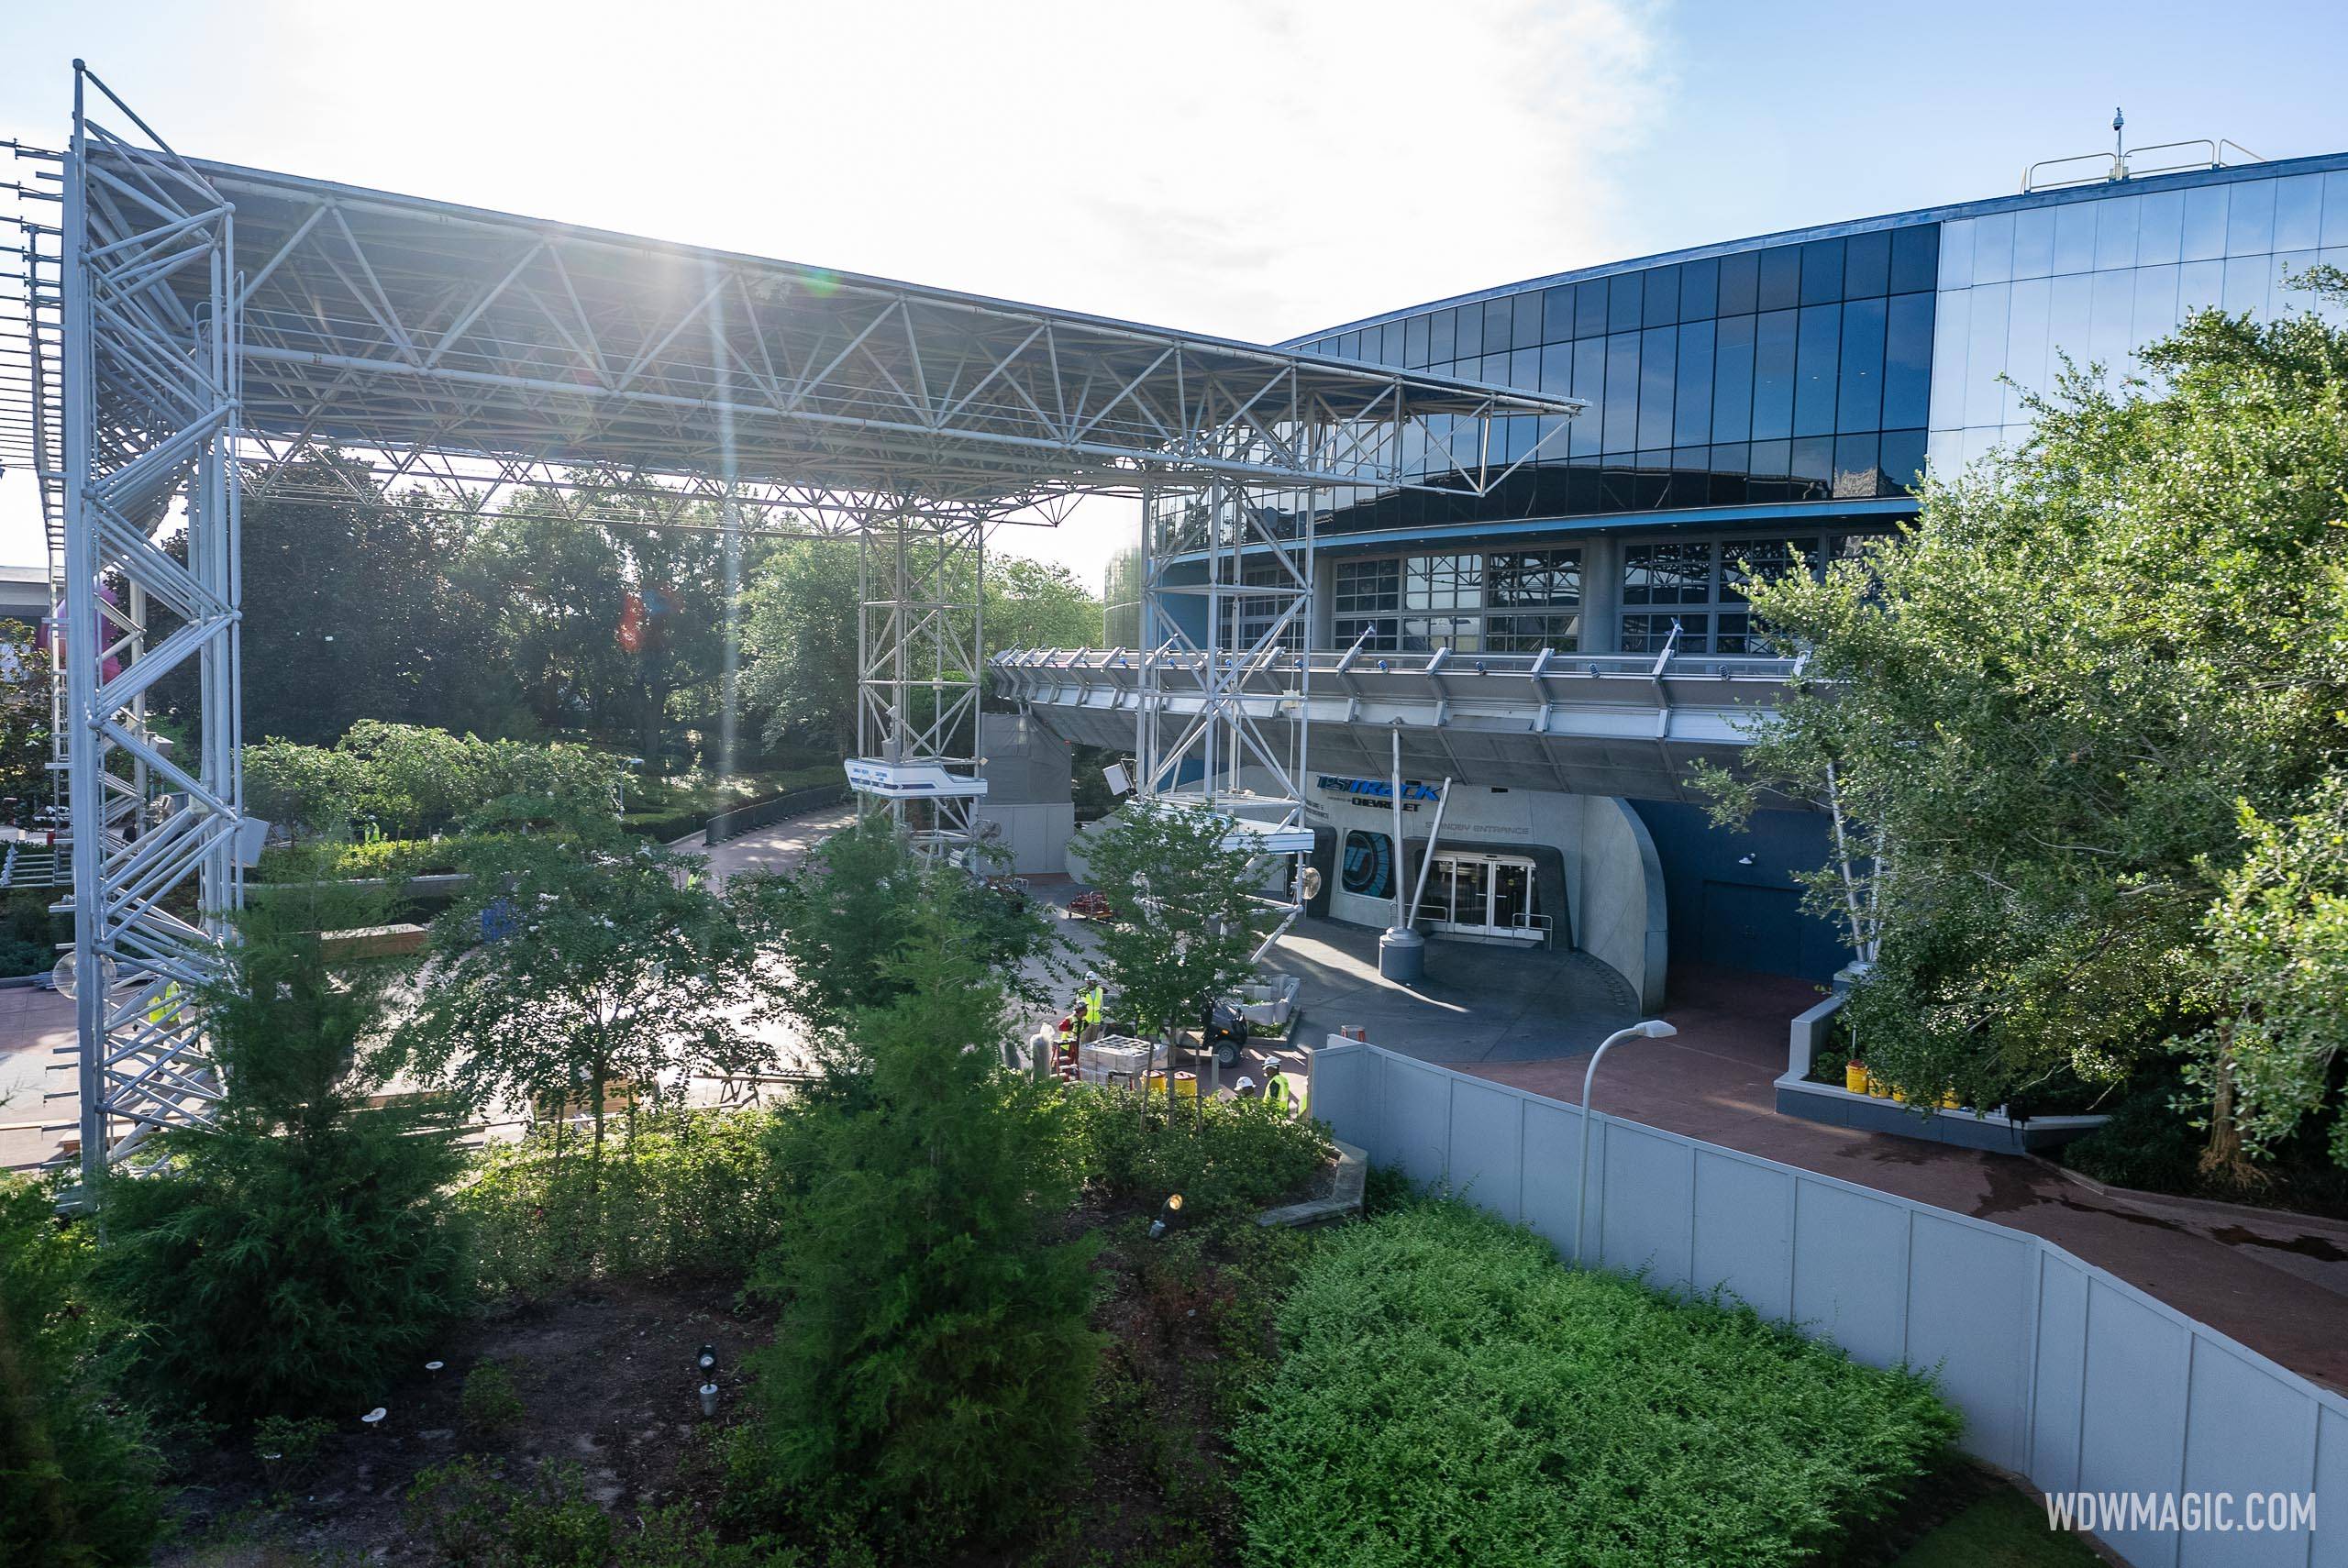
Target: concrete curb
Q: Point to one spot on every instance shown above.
(2211, 1208)
(1344, 1199)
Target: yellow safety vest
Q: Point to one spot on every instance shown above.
(1095, 1004)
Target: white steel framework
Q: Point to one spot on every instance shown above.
(223, 331)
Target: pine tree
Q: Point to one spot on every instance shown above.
(932, 1364)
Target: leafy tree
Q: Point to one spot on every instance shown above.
(352, 611)
(799, 642)
(933, 1365)
(840, 921)
(1190, 912)
(2065, 703)
(26, 675)
(292, 1255)
(582, 964)
(76, 1478)
(799, 634)
(1032, 603)
(407, 779)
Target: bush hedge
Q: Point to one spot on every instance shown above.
(1243, 1153)
(687, 1194)
(1450, 1393)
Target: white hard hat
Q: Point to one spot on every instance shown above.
(1245, 1083)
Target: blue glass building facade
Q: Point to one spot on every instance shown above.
(1748, 402)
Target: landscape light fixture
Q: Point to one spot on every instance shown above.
(1166, 1216)
(1648, 1028)
(709, 1398)
(707, 1360)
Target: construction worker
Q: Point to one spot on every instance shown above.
(1286, 1092)
(1093, 1007)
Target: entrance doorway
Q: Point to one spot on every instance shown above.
(1483, 895)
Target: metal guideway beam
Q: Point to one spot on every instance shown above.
(198, 331)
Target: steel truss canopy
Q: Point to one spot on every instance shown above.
(194, 333)
(452, 343)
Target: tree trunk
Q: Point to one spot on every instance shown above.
(2224, 1160)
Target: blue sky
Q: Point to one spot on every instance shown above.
(1259, 170)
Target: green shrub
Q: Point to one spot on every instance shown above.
(932, 1364)
(1450, 1393)
(477, 1518)
(77, 1480)
(301, 1248)
(488, 1406)
(1240, 1155)
(290, 1449)
(681, 1194)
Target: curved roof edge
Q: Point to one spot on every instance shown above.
(2274, 168)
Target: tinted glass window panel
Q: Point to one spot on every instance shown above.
(2205, 224)
(1625, 301)
(1781, 277)
(1623, 392)
(1855, 467)
(1439, 335)
(2115, 232)
(1533, 579)
(1773, 375)
(1859, 394)
(1526, 333)
(1590, 308)
(1662, 308)
(1653, 633)
(1498, 324)
(1692, 419)
(1866, 265)
(1732, 379)
(1525, 368)
(1583, 440)
(1670, 572)
(1390, 349)
(1812, 467)
(1700, 289)
(1468, 344)
(2035, 243)
(1915, 257)
(2160, 227)
(1414, 341)
(1557, 368)
(1557, 314)
(2250, 218)
(1956, 254)
(1740, 283)
(1902, 461)
(2335, 208)
(1907, 359)
(1658, 353)
(1815, 365)
(1771, 457)
(1821, 271)
(1744, 562)
(1993, 249)
(2298, 205)
(2074, 237)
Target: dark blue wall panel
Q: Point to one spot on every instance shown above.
(1743, 917)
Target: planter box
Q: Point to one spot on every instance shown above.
(1993, 1131)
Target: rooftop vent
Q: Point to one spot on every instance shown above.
(2124, 162)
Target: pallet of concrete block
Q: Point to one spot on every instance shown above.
(1114, 1059)
(1267, 1003)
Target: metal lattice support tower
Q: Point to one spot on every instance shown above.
(376, 341)
(150, 426)
(920, 633)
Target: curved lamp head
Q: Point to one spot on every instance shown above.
(1653, 1029)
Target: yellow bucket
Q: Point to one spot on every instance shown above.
(1855, 1077)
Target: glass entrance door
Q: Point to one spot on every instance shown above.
(1482, 895)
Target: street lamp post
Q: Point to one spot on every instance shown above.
(1648, 1028)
